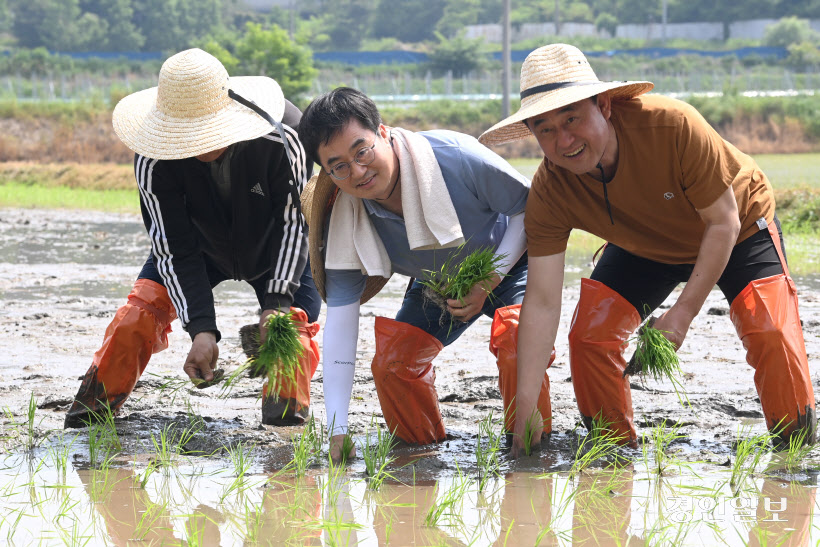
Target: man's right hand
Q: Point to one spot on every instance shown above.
(337, 443)
(536, 424)
(201, 360)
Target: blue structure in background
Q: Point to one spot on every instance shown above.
(357, 58)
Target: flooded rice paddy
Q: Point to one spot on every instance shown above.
(187, 467)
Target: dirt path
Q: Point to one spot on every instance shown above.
(63, 274)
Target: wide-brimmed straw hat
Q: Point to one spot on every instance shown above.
(554, 76)
(190, 113)
(318, 198)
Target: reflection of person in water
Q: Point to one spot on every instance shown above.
(288, 499)
(128, 512)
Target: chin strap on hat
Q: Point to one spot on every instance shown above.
(253, 106)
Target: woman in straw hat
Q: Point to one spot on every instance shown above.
(388, 200)
(676, 203)
(220, 170)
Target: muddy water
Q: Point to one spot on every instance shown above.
(201, 501)
(62, 276)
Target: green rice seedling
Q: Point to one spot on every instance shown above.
(601, 442)
(750, 450)
(74, 537)
(278, 357)
(241, 456)
(662, 437)
(793, 456)
(377, 456)
(58, 452)
(171, 387)
(30, 426)
(150, 469)
(147, 522)
(655, 356)
(102, 482)
(529, 433)
(457, 276)
(486, 453)
(449, 504)
(254, 519)
(307, 447)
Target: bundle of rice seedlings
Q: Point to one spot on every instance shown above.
(277, 358)
(453, 281)
(655, 356)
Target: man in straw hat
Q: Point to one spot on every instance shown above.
(389, 200)
(220, 169)
(675, 203)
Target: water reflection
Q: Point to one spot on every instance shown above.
(202, 503)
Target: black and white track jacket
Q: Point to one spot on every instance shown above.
(265, 235)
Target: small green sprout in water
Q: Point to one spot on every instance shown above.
(449, 504)
(662, 437)
(277, 359)
(307, 447)
(792, 456)
(750, 450)
(600, 443)
(376, 456)
(486, 452)
(453, 281)
(655, 356)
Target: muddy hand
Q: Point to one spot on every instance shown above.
(201, 360)
(674, 325)
(471, 305)
(337, 443)
(536, 424)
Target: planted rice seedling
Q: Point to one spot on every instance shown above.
(31, 439)
(750, 450)
(454, 280)
(377, 456)
(486, 453)
(661, 438)
(307, 447)
(277, 358)
(601, 442)
(147, 522)
(58, 452)
(655, 356)
(449, 504)
(794, 455)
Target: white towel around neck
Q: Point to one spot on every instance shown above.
(429, 215)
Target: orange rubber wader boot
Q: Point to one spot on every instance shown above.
(405, 381)
(766, 318)
(504, 345)
(601, 325)
(139, 329)
(291, 406)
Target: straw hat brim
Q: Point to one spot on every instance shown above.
(317, 198)
(512, 129)
(151, 133)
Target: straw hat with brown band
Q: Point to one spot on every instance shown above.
(318, 198)
(554, 76)
(193, 109)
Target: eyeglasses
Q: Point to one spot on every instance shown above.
(363, 157)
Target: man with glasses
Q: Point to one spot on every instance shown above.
(389, 200)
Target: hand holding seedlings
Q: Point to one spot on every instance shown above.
(276, 358)
(201, 361)
(656, 357)
(461, 288)
(527, 435)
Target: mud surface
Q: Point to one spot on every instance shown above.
(63, 275)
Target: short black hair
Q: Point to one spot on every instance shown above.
(329, 114)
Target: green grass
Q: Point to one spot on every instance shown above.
(29, 196)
